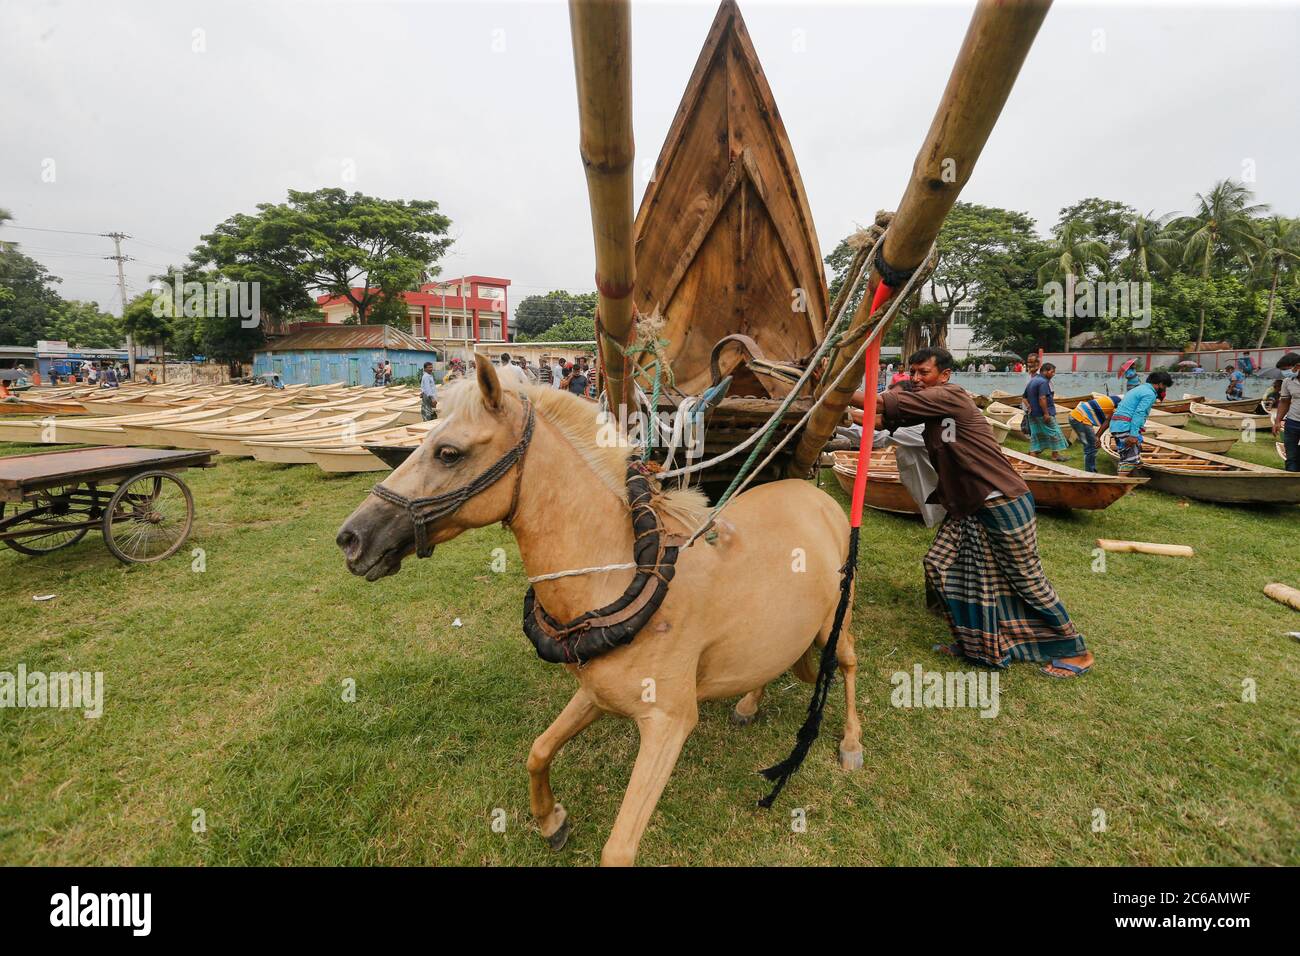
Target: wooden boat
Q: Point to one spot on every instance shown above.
(1218, 444)
(298, 450)
(1001, 430)
(1068, 402)
(232, 442)
(1010, 418)
(1179, 406)
(1228, 419)
(724, 231)
(25, 406)
(1249, 406)
(101, 431)
(360, 457)
(1209, 477)
(1054, 485)
(1168, 419)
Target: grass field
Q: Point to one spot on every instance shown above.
(224, 694)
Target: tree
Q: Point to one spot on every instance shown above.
(1067, 259)
(976, 247)
(1102, 219)
(537, 313)
(1278, 255)
(27, 298)
(84, 324)
(327, 240)
(979, 249)
(1150, 248)
(576, 328)
(1221, 230)
(149, 322)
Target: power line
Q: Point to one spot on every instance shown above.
(70, 232)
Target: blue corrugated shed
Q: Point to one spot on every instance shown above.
(344, 353)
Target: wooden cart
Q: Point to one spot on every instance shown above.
(50, 500)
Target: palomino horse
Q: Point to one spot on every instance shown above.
(743, 607)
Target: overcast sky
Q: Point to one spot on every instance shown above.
(151, 128)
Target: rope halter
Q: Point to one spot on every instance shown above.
(425, 511)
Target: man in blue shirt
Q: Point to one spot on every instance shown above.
(428, 393)
(1044, 432)
(1236, 383)
(1130, 418)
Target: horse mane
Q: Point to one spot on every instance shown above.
(581, 423)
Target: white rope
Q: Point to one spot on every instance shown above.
(577, 571)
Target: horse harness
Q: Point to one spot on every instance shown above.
(596, 632)
(604, 629)
(425, 511)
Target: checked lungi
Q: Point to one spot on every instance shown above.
(1130, 456)
(998, 602)
(1045, 435)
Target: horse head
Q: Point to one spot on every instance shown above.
(464, 475)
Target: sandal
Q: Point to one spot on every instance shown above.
(1074, 669)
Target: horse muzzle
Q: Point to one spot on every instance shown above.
(375, 539)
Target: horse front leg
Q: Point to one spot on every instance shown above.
(662, 736)
(552, 819)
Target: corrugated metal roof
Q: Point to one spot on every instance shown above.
(345, 337)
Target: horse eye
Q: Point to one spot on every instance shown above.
(448, 455)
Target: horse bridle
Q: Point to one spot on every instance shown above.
(425, 511)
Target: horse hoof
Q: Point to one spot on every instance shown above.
(743, 720)
(560, 837)
(850, 759)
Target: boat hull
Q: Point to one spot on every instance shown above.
(1054, 486)
(1203, 476)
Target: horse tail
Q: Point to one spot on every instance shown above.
(805, 668)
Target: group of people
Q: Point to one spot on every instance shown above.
(383, 373)
(575, 377)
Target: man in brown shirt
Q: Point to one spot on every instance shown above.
(984, 562)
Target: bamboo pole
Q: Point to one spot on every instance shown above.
(1283, 594)
(997, 41)
(602, 61)
(1146, 547)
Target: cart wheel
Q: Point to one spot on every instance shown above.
(148, 518)
(47, 514)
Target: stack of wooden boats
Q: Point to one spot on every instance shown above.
(1054, 485)
(1204, 476)
(290, 425)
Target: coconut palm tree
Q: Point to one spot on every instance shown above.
(1067, 259)
(1152, 248)
(1223, 226)
(1279, 253)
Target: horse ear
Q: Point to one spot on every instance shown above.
(489, 385)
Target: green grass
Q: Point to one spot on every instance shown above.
(223, 692)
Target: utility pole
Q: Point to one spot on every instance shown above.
(117, 238)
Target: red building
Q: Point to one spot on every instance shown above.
(453, 315)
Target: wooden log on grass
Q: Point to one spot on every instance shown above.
(997, 41)
(1284, 594)
(1145, 547)
(602, 62)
